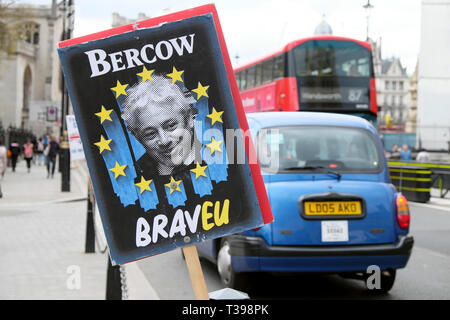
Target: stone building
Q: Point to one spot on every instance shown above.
(118, 20)
(323, 27)
(30, 78)
(411, 122)
(433, 94)
(392, 84)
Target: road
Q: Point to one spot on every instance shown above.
(425, 277)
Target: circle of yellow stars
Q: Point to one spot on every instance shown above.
(146, 75)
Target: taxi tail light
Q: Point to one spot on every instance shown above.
(402, 211)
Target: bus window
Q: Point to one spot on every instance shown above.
(356, 67)
(258, 79)
(238, 79)
(250, 77)
(302, 62)
(243, 79)
(332, 58)
(267, 68)
(278, 67)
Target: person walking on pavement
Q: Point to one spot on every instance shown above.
(40, 151)
(28, 153)
(3, 162)
(14, 147)
(34, 142)
(405, 153)
(53, 150)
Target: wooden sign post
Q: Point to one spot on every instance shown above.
(195, 272)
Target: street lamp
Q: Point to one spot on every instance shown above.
(64, 142)
(367, 7)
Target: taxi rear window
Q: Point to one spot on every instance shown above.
(311, 148)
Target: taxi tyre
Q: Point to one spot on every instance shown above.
(228, 275)
(387, 279)
(386, 282)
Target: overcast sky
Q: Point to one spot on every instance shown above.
(254, 28)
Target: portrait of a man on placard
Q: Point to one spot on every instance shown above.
(161, 116)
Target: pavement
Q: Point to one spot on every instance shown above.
(42, 241)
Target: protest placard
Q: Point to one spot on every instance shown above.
(75, 144)
(164, 133)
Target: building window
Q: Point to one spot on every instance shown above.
(400, 102)
(29, 32)
(394, 85)
(386, 85)
(400, 85)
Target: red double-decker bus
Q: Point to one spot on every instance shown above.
(322, 73)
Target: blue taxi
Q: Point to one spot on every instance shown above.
(335, 209)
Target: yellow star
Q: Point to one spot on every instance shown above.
(173, 185)
(104, 114)
(201, 91)
(214, 145)
(199, 171)
(175, 75)
(146, 74)
(144, 184)
(119, 89)
(103, 144)
(118, 170)
(215, 116)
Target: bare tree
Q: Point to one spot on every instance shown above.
(11, 32)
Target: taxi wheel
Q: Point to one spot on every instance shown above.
(226, 272)
(386, 281)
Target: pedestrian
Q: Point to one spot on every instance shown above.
(405, 153)
(40, 151)
(3, 163)
(14, 147)
(423, 156)
(28, 153)
(34, 142)
(46, 140)
(53, 150)
(395, 152)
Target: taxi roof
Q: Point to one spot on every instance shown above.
(271, 119)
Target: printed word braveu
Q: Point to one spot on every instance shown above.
(102, 62)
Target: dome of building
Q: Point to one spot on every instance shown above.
(323, 28)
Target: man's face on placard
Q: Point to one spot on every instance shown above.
(165, 130)
(161, 116)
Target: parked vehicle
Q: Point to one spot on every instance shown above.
(334, 206)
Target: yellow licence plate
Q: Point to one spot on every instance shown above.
(323, 208)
